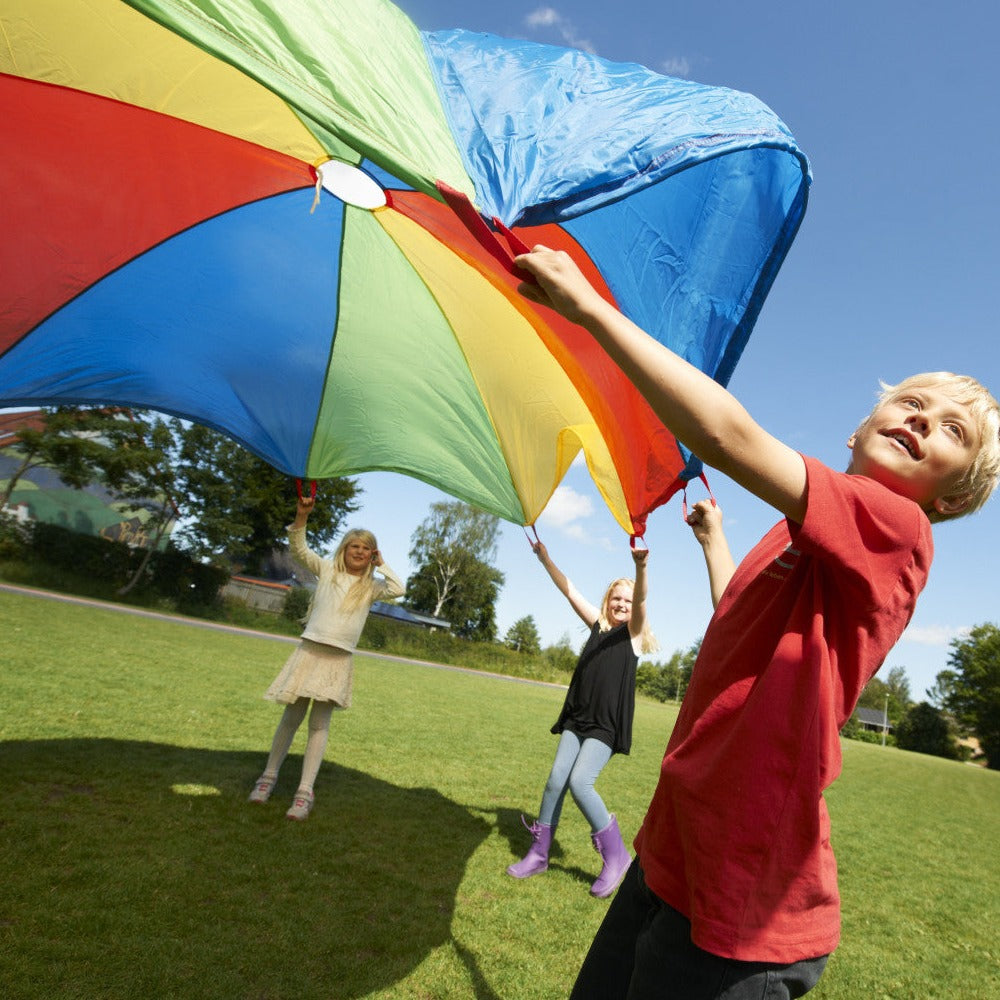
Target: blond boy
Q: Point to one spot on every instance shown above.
(733, 893)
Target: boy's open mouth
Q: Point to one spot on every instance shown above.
(906, 440)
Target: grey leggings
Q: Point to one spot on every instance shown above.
(319, 729)
(576, 768)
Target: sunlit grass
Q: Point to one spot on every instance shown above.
(133, 866)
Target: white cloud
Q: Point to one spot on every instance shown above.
(543, 17)
(934, 635)
(566, 511)
(676, 66)
(550, 18)
(566, 506)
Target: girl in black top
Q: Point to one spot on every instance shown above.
(596, 719)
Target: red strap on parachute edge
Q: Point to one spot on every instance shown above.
(684, 494)
(312, 489)
(487, 239)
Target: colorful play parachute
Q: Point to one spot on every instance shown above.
(289, 220)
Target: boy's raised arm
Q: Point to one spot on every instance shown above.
(698, 411)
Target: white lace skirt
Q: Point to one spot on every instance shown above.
(314, 670)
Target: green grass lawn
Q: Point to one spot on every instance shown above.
(133, 866)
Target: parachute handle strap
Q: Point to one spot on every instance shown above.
(638, 532)
(684, 495)
(312, 489)
(504, 255)
(533, 532)
(318, 191)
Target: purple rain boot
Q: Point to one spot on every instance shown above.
(609, 844)
(537, 858)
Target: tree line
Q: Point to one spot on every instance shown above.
(205, 495)
(200, 491)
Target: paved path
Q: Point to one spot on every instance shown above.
(125, 609)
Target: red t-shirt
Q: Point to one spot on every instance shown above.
(737, 836)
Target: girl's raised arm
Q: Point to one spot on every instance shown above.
(587, 612)
(706, 523)
(638, 620)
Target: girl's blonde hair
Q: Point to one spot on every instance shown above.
(647, 641)
(983, 474)
(363, 590)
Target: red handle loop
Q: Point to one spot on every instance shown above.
(312, 489)
(684, 496)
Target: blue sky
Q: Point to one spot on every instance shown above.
(894, 271)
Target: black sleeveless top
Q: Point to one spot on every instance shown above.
(600, 702)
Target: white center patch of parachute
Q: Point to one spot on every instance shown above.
(351, 185)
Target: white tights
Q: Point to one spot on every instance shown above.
(319, 730)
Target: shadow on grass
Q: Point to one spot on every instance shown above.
(139, 870)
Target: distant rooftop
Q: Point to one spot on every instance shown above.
(405, 615)
(873, 717)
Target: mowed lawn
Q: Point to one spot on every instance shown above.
(135, 868)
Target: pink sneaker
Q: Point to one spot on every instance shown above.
(301, 806)
(262, 790)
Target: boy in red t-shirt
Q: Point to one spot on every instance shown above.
(733, 893)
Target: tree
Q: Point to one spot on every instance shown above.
(523, 636)
(137, 468)
(129, 452)
(562, 656)
(67, 439)
(668, 681)
(686, 666)
(658, 680)
(972, 687)
(228, 502)
(470, 604)
(29, 447)
(898, 686)
(895, 687)
(453, 549)
(237, 506)
(925, 729)
(942, 688)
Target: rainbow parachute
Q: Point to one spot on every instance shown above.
(294, 222)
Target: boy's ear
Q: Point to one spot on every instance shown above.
(851, 439)
(953, 505)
